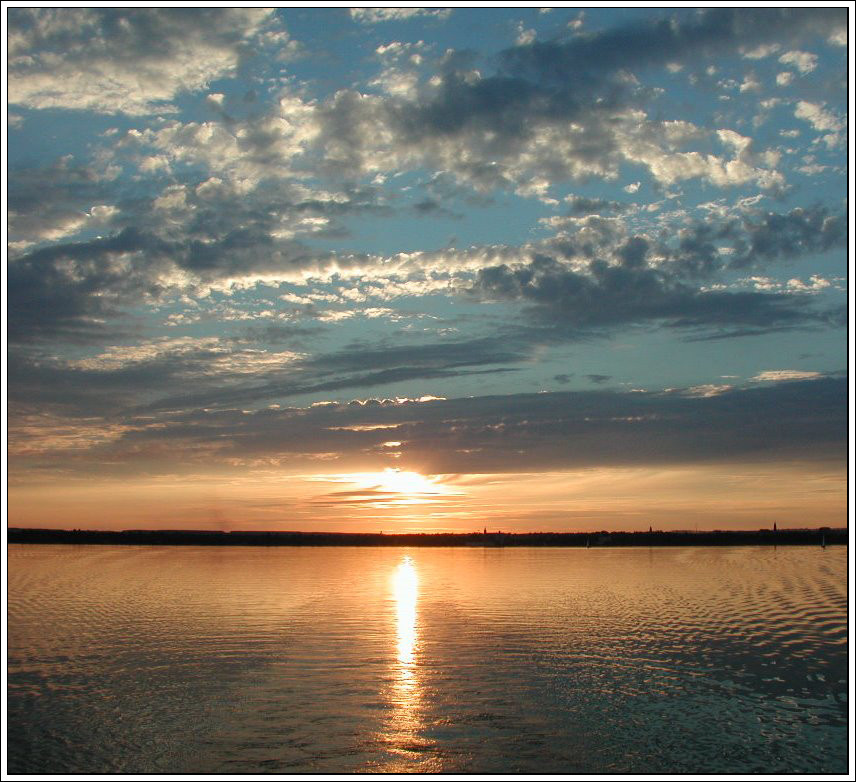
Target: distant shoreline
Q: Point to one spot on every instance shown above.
(802, 537)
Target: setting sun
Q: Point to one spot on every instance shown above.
(401, 482)
(389, 488)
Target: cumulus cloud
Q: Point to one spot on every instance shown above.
(488, 133)
(761, 51)
(247, 216)
(83, 290)
(698, 249)
(73, 291)
(56, 201)
(666, 41)
(131, 60)
(792, 234)
(523, 128)
(217, 234)
(839, 36)
(245, 151)
(818, 116)
(750, 84)
(804, 62)
(556, 110)
(579, 205)
(660, 147)
(595, 276)
(401, 72)
(604, 297)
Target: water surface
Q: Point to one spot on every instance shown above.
(246, 660)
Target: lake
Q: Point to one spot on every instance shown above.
(137, 659)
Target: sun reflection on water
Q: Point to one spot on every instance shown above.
(406, 591)
(403, 734)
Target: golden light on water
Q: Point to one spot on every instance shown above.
(406, 591)
(403, 733)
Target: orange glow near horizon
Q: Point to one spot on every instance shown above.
(390, 488)
(714, 496)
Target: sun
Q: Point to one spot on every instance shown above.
(391, 488)
(398, 481)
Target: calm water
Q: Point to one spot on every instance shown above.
(243, 660)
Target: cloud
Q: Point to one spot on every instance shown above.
(748, 237)
(838, 37)
(604, 297)
(501, 133)
(377, 15)
(784, 421)
(804, 62)
(402, 63)
(818, 116)
(595, 276)
(750, 84)
(761, 51)
(120, 376)
(56, 201)
(243, 152)
(193, 239)
(660, 147)
(546, 115)
(358, 368)
(179, 373)
(73, 290)
(227, 202)
(784, 375)
(797, 233)
(708, 389)
(664, 41)
(131, 60)
(522, 128)
(579, 205)
(186, 237)
(569, 108)
(815, 284)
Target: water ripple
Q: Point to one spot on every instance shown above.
(159, 659)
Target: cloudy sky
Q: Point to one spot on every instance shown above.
(427, 269)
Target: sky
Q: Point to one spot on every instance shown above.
(427, 269)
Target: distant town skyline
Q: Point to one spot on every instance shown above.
(427, 269)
